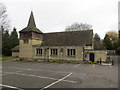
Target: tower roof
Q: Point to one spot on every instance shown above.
(31, 22)
(31, 27)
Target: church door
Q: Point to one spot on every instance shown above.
(92, 57)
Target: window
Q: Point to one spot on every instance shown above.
(26, 41)
(54, 52)
(71, 52)
(38, 51)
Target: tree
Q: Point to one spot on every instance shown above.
(6, 44)
(113, 35)
(97, 37)
(4, 21)
(118, 47)
(4, 30)
(107, 42)
(14, 38)
(77, 27)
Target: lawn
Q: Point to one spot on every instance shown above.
(6, 57)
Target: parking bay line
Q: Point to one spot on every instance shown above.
(8, 73)
(77, 65)
(34, 69)
(24, 69)
(41, 77)
(56, 81)
(8, 86)
(110, 66)
(93, 65)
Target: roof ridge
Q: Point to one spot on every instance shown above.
(69, 31)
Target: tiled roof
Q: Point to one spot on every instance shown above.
(31, 27)
(71, 38)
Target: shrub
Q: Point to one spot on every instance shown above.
(90, 62)
(35, 59)
(53, 60)
(85, 62)
(95, 62)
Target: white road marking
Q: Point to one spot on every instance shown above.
(61, 65)
(93, 65)
(2, 74)
(24, 69)
(19, 71)
(36, 76)
(10, 87)
(14, 67)
(110, 66)
(46, 77)
(77, 65)
(7, 73)
(34, 69)
(56, 81)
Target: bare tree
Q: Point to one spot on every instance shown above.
(77, 27)
(4, 21)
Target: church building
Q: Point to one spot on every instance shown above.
(67, 45)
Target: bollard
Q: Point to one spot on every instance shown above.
(100, 61)
(112, 62)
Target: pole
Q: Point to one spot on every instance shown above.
(48, 54)
(83, 53)
(100, 61)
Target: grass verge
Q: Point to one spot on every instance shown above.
(6, 58)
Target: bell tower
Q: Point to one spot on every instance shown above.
(29, 36)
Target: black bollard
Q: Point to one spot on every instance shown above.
(100, 61)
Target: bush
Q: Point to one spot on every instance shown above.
(53, 60)
(95, 62)
(90, 62)
(86, 62)
(35, 59)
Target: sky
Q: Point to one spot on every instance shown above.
(56, 15)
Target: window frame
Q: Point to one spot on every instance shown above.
(39, 51)
(53, 52)
(71, 52)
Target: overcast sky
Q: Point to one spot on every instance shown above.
(55, 15)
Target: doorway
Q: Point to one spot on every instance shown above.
(92, 57)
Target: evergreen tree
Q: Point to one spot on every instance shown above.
(14, 38)
(6, 44)
(4, 27)
(118, 47)
(97, 37)
(107, 43)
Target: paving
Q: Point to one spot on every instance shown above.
(44, 75)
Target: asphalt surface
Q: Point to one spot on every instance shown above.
(21, 75)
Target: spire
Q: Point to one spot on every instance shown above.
(31, 22)
(31, 27)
